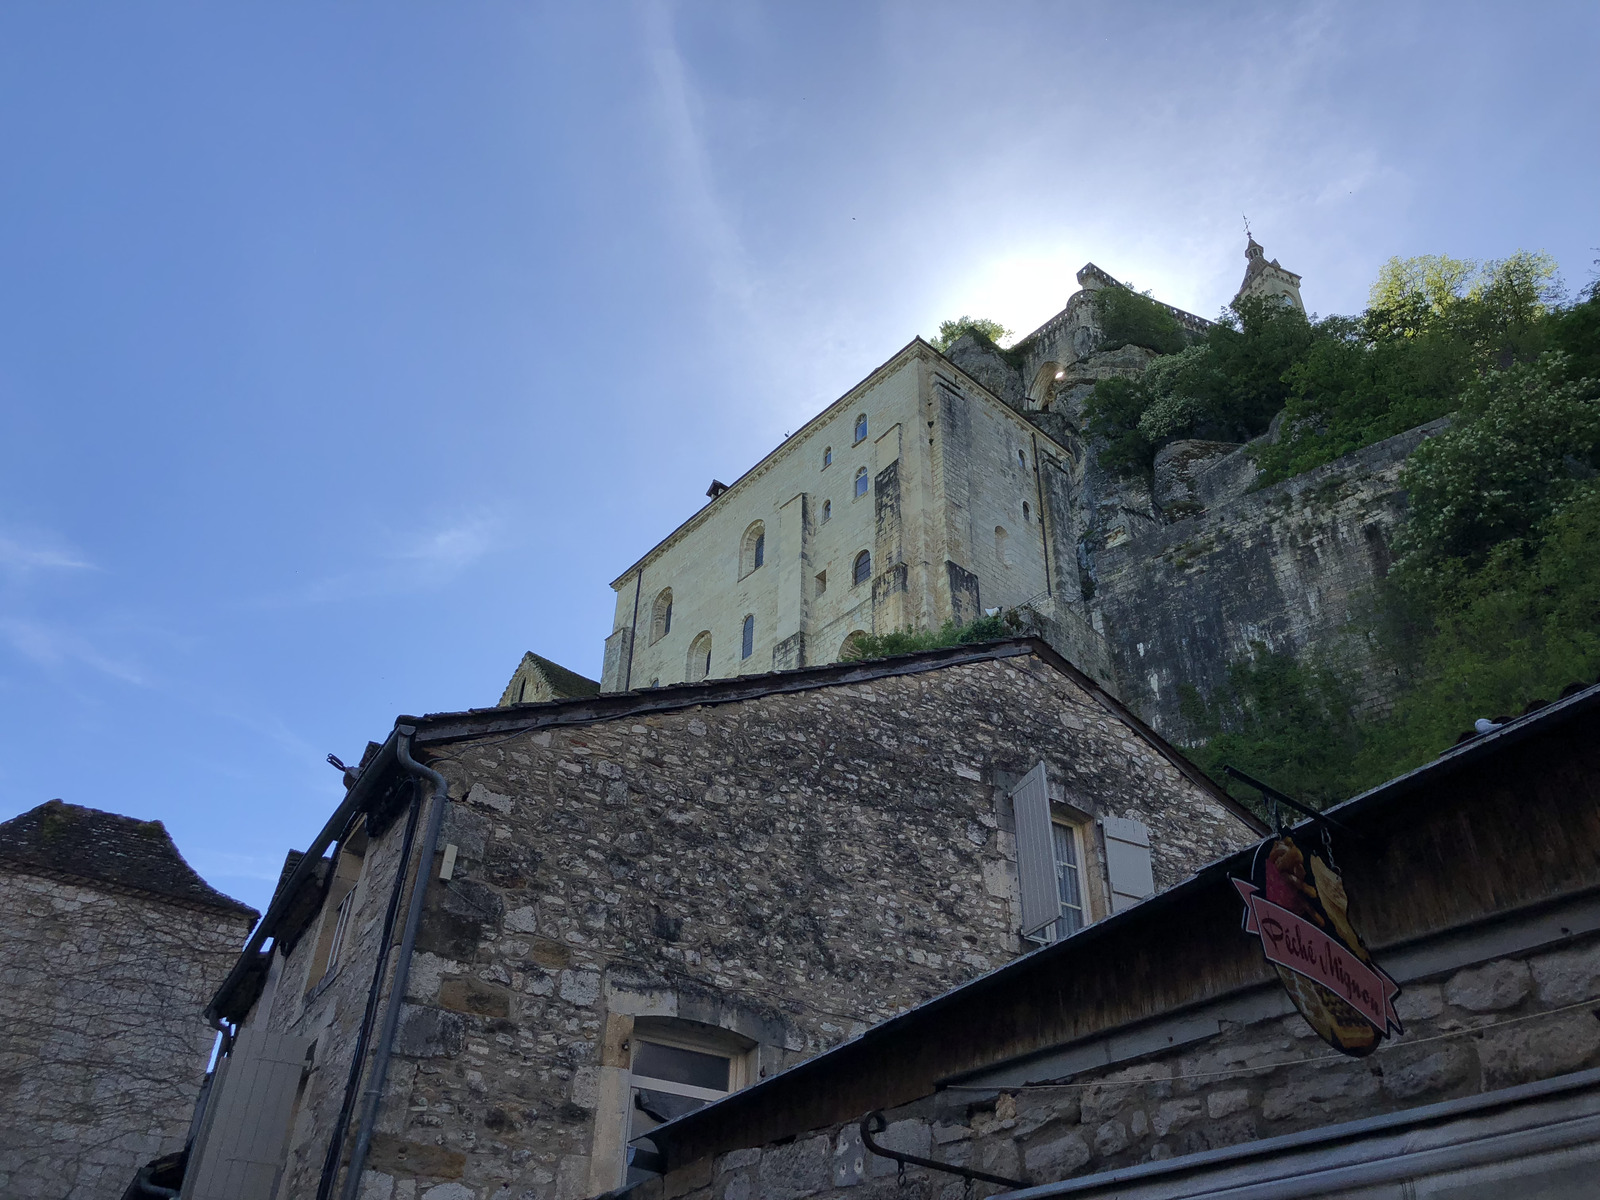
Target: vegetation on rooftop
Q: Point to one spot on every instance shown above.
(909, 640)
(980, 327)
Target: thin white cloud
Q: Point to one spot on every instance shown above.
(52, 646)
(416, 559)
(21, 556)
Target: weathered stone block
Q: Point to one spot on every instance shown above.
(910, 1137)
(475, 997)
(1050, 1161)
(1111, 1138)
(798, 1169)
(1568, 976)
(1539, 1049)
(1492, 987)
(1227, 1102)
(1432, 1072)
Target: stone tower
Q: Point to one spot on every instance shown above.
(1264, 278)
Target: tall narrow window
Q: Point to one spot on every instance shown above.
(1022, 458)
(1027, 513)
(1068, 880)
(699, 657)
(827, 509)
(1000, 551)
(827, 458)
(861, 428)
(753, 549)
(822, 582)
(748, 645)
(863, 568)
(861, 482)
(661, 616)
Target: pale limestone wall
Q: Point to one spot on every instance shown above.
(942, 457)
(102, 1043)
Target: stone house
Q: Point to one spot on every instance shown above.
(110, 947)
(1157, 1055)
(635, 903)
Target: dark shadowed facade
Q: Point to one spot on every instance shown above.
(639, 902)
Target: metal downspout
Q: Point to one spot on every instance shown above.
(358, 1060)
(373, 1095)
(633, 630)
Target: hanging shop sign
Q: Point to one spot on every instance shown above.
(1296, 904)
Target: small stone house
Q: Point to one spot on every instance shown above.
(1157, 1055)
(110, 947)
(636, 903)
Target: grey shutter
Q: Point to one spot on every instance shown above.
(244, 1136)
(1036, 852)
(1127, 862)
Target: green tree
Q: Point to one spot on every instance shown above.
(981, 327)
(1130, 318)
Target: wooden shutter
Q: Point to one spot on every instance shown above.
(240, 1151)
(1036, 855)
(1127, 862)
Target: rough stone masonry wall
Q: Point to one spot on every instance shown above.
(102, 1042)
(793, 867)
(1471, 1031)
(1291, 567)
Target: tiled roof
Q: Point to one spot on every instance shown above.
(66, 839)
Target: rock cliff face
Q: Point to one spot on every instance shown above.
(1188, 570)
(1291, 568)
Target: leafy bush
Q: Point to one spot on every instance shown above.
(981, 327)
(1283, 721)
(909, 641)
(1130, 318)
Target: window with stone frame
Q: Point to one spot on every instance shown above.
(861, 427)
(827, 457)
(753, 548)
(861, 482)
(827, 511)
(676, 1067)
(863, 567)
(661, 616)
(699, 665)
(338, 907)
(1000, 550)
(850, 647)
(822, 582)
(747, 644)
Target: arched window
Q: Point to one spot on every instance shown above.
(1000, 546)
(753, 550)
(850, 648)
(661, 616)
(863, 567)
(861, 482)
(827, 457)
(827, 509)
(861, 428)
(1027, 513)
(1022, 458)
(748, 645)
(699, 656)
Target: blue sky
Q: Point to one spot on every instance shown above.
(348, 351)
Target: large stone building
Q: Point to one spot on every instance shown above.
(632, 903)
(110, 947)
(947, 484)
